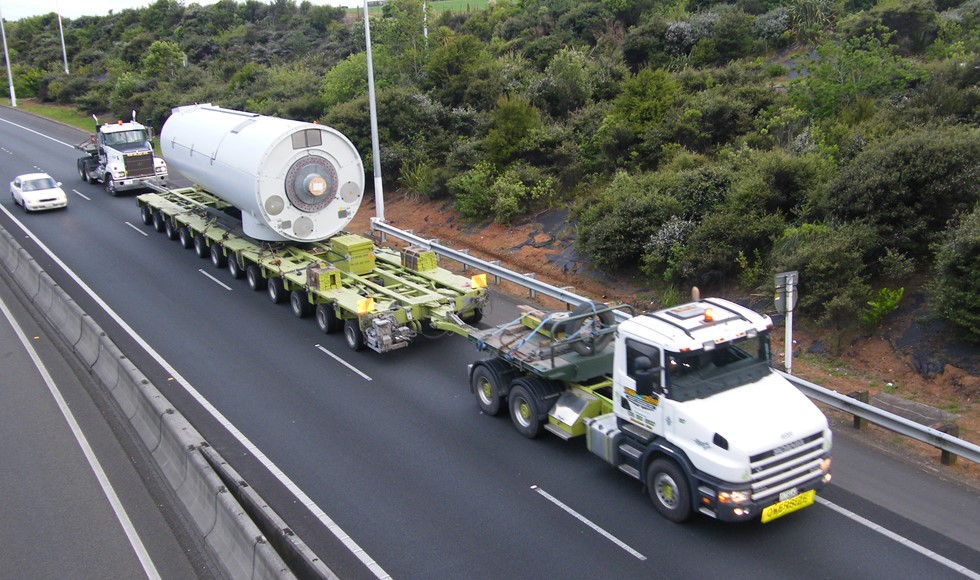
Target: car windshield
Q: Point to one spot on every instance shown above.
(39, 184)
(698, 375)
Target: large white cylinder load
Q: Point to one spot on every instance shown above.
(291, 180)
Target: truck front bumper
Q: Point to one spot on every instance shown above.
(140, 182)
(776, 506)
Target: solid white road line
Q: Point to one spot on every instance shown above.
(901, 540)
(93, 461)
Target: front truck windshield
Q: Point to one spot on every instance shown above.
(131, 138)
(700, 374)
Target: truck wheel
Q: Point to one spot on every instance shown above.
(201, 246)
(253, 274)
(234, 268)
(218, 257)
(110, 186)
(669, 490)
(146, 214)
(524, 410)
(486, 382)
(81, 171)
(353, 334)
(300, 305)
(170, 228)
(585, 326)
(158, 221)
(326, 318)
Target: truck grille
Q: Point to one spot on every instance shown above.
(139, 164)
(786, 466)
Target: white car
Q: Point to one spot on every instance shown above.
(37, 191)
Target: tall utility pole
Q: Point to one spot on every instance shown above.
(61, 33)
(379, 199)
(6, 56)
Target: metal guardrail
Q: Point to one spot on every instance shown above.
(900, 425)
(890, 421)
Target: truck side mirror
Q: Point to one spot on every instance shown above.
(645, 375)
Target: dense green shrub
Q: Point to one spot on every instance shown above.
(834, 283)
(613, 229)
(907, 186)
(954, 291)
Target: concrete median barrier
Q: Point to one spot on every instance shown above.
(223, 525)
(27, 274)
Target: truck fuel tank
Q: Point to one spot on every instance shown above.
(291, 180)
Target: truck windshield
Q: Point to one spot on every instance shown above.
(126, 139)
(701, 374)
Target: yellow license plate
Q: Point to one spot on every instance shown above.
(789, 506)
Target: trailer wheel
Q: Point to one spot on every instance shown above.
(110, 186)
(185, 237)
(170, 228)
(586, 344)
(234, 268)
(158, 221)
(218, 257)
(201, 246)
(253, 274)
(487, 383)
(146, 214)
(302, 308)
(524, 410)
(277, 290)
(669, 490)
(326, 318)
(353, 334)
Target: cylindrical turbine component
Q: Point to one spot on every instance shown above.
(291, 180)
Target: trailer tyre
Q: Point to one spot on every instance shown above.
(326, 318)
(218, 257)
(302, 308)
(253, 274)
(669, 490)
(524, 410)
(234, 268)
(170, 228)
(158, 221)
(185, 237)
(146, 214)
(487, 383)
(277, 290)
(584, 327)
(353, 334)
(201, 246)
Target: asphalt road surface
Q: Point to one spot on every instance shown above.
(393, 452)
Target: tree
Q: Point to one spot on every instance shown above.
(510, 123)
(953, 291)
(162, 60)
(842, 73)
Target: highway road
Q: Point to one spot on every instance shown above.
(393, 450)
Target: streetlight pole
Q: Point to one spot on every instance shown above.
(379, 199)
(61, 33)
(6, 56)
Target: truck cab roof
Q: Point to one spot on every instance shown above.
(693, 325)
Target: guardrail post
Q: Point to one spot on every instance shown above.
(864, 398)
(496, 279)
(466, 266)
(533, 292)
(948, 457)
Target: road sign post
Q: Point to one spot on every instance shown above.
(786, 296)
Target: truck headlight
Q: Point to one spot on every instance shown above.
(732, 497)
(119, 175)
(825, 465)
